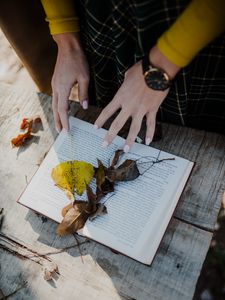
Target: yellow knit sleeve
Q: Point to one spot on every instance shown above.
(200, 23)
(61, 16)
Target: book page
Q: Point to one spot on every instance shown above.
(135, 209)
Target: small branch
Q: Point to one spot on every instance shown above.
(78, 245)
(156, 162)
(58, 251)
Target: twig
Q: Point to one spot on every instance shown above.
(57, 251)
(158, 161)
(1, 217)
(78, 246)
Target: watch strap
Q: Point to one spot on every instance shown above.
(145, 64)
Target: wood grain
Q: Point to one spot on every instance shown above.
(28, 242)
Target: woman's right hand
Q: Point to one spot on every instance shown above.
(71, 68)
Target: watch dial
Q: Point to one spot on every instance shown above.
(157, 80)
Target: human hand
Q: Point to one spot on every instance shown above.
(136, 100)
(71, 68)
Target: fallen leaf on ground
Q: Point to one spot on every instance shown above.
(21, 139)
(32, 125)
(35, 123)
(73, 175)
(50, 272)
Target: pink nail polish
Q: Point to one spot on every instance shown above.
(147, 141)
(126, 148)
(105, 144)
(85, 104)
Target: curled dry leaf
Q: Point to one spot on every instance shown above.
(116, 158)
(101, 210)
(104, 186)
(32, 125)
(35, 123)
(127, 171)
(76, 214)
(51, 271)
(73, 175)
(21, 139)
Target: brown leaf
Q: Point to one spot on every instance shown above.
(74, 219)
(51, 271)
(104, 186)
(76, 214)
(34, 123)
(116, 158)
(101, 210)
(128, 170)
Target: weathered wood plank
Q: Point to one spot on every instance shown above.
(103, 274)
(106, 275)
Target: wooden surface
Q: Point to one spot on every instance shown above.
(28, 242)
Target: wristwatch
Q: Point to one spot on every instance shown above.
(155, 78)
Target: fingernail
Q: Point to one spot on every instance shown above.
(126, 148)
(95, 126)
(85, 104)
(65, 131)
(57, 129)
(105, 144)
(148, 141)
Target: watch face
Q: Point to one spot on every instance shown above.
(156, 79)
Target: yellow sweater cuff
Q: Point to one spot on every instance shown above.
(199, 24)
(61, 16)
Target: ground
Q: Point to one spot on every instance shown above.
(211, 283)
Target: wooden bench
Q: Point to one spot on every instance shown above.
(88, 270)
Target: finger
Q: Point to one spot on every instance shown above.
(115, 127)
(150, 123)
(106, 113)
(58, 125)
(83, 92)
(63, 107)
(133, 132)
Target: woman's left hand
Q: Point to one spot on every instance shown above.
(136, 100)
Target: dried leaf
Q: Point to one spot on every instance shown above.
(76, 214)
(101, 210)
(74, 219)
(50, 272)
(24, 124)
(71, 175)
(21, 139)
(104, 186)
(127, 171)
(34, 123)
(116, 158)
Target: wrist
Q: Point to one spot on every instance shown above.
(157, 59)
(68, 41)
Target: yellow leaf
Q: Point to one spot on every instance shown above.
(73, 176)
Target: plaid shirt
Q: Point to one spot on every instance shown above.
(117, 33)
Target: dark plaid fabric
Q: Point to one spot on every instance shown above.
(118, 33)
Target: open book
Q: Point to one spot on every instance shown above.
(138, 211)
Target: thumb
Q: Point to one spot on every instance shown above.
(83, 92)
